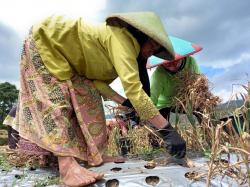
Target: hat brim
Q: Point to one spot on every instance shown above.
(149, 24)
(182, 49)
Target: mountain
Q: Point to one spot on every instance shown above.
(230, 105)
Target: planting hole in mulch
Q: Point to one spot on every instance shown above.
(194, 175)
(221, 161)
(112, 183)
(152, 180)
(150, 165)
(32, 168)
(119, 161)
(191, 175)
(18, 176)
(116, 169)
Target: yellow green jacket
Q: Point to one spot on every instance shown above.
(100, 53)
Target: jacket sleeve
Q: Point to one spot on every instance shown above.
(123, 51)
(104, 88)
(156, 86)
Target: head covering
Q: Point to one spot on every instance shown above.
(148, 23)
(182, 48)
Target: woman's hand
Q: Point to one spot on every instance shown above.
(123, 108)
(174, 143)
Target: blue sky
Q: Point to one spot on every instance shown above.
(221, 27)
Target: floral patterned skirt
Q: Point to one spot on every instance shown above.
(62, 117)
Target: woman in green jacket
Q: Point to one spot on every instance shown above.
(165, 81)
(66, 65)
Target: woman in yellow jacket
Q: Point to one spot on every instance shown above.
(66, 66)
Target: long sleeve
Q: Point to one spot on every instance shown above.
(104, 88)
(156, 86)
(123, 51)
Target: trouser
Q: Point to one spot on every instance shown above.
(165, 112)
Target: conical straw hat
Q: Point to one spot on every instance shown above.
(148, 23)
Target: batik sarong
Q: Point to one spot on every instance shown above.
(62, 117)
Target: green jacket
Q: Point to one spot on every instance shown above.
(163, 83)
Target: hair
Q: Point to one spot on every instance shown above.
(140, 36)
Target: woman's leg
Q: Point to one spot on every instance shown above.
(46, 117)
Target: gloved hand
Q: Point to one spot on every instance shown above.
(127, 103)
(175, 144)
(133, 117)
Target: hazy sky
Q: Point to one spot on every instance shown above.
(221, 27)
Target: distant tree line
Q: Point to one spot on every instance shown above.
(8, 97)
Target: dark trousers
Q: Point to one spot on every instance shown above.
(13, 138)
(165, 112)
(13, 135)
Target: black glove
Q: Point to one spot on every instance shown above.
(174, 143)
(127, 103)
(133, 117)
